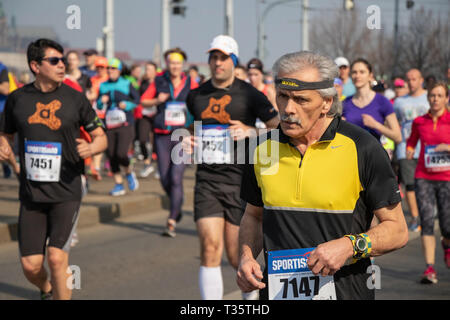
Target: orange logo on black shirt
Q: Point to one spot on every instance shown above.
(216, 109)
(45, 114)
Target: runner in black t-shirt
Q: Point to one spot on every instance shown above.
(228, 108)
(47, 116)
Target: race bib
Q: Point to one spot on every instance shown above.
(214, 144)
(43, 160)
(115, 118)
(291, 279)
(436, 161)
(175, 113)
(149, 112)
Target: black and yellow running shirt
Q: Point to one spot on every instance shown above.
(330, 191)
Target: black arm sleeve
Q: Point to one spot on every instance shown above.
(250, 191)
(88, 118)
(377, 177)
(261, 106)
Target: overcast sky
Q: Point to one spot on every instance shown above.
(137, 23)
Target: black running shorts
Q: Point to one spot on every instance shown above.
(215, 199)
(41, 221)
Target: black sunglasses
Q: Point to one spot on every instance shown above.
(55, 60)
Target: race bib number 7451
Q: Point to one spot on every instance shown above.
(291, 279)
(43, 160)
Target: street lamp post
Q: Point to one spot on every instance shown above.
(261, 36)
(229, 21)
(165, 25)
(305, 22)
(108, 30)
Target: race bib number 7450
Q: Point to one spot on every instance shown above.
(291, 279)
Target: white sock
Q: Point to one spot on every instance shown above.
(210, 283)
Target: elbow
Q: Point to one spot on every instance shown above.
(398, 138)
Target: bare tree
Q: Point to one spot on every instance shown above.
(340, 34)
(442, 42)
(380, 52)
(423, 44)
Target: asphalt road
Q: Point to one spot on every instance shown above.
(129, 259)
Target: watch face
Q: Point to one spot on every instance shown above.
(361, 244)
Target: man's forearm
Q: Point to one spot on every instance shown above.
(389, 235)
(99, 144)
(250, 236)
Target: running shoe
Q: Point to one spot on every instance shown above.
(95, 173)
(414, 226)
(429, 276)
(146, 171)
(169, 233)
(133, 182)
(446, 254)
(170, 230)
(118, 190)
(46, 295)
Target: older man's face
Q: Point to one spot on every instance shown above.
(300, 110)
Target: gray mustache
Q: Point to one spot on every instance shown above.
(290, 118)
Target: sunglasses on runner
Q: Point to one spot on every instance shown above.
(55, 60)
(113, 68)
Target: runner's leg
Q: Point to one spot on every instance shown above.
(144, 137)
(426, 201)
(34, 270)
(211, 233)
(125, 140)
(232, 243)
(63, 218)
(32, 236)
(162, 143)
(113, 142)
(58, 261)
(443, 205)
(176, 187)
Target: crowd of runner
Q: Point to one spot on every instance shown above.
(72, 123)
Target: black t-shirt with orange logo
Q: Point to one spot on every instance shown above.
(47, 125)
(211, 105)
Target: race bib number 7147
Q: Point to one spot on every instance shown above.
(291, 279)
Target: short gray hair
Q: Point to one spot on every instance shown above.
(328, 70)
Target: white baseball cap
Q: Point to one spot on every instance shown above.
(225, 44)
(341, 61)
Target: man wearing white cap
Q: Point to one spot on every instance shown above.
(227, 108)
(348, 89)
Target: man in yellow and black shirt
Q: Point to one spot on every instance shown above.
(312, 190)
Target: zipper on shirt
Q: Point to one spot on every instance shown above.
(298, 194)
